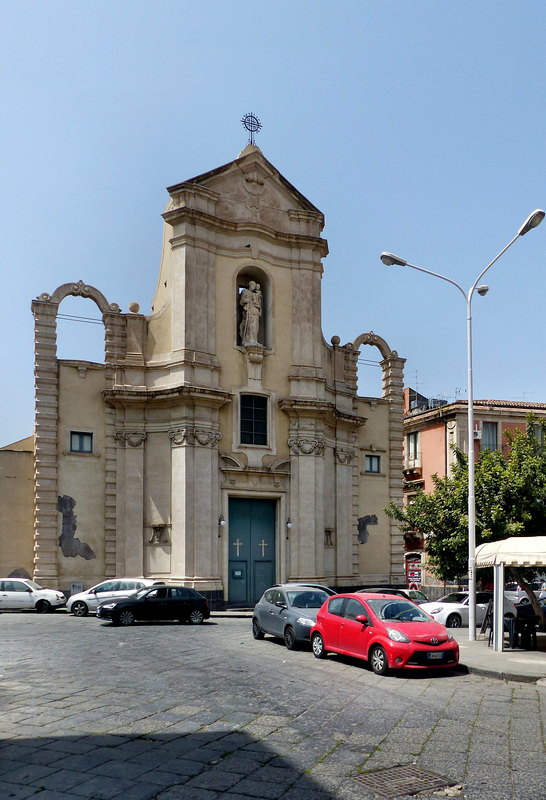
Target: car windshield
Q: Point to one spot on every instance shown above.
(418, 596)
(398, 610)
(456, 597)
(140, 592)
(312, 598)
(33, 584)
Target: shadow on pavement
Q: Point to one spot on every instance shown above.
(171, 765)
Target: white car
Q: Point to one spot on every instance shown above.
(517, 594)
(82, 603)
(452, 610)
(18, 594)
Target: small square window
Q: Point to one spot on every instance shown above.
(81, 442)
(372, 464)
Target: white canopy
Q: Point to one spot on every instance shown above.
(517, 551)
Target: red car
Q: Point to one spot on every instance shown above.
(386, 630)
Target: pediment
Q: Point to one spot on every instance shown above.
(250, 189)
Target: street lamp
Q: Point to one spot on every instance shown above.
(389, 259)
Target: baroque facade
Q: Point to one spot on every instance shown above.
(223, 442)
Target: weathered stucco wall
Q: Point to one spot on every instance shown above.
(17, 508)
(81, 475)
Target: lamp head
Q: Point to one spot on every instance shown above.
(389, 259)
(532, 221)
(483, 289)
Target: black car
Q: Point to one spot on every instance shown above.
(156, 602)
(410, 594)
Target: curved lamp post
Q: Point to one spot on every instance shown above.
(389, 259)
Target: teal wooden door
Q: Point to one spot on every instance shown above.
(251, 549)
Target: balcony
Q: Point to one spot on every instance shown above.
(412, 462)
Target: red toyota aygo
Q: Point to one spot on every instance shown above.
(388, 631)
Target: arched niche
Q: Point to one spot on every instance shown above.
(244, 277)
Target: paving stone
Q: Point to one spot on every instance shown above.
(61, 780)
(102, 788)
(256, 788)
(27, 774)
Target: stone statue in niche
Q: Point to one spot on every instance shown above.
(251, 302)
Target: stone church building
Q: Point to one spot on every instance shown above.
(223, 442)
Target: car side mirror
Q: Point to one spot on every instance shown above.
(280, 604)
(30, 589)
(363, 619)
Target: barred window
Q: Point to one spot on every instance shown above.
(253, 419)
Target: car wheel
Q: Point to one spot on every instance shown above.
(126, 618)
(378, 661)
(196, 617)
(453, 621)
(523, 600)
(43, 606)
(317, 645)
(290, 638)
(509, 615)
(256, 630)
(79, 609)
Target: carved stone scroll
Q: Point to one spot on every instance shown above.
(132, 438)
(190, 436)
(306, 446)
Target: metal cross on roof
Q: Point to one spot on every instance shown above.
(252, 125)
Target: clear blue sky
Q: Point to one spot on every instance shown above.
(416, 127)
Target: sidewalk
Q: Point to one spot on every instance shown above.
(513, 665)
(528, 666)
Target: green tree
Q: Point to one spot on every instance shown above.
(510, 501)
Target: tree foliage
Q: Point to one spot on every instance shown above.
(510, 492)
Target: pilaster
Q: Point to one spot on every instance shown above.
(393, 391)
(46, 390)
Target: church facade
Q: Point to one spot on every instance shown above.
(223, 442)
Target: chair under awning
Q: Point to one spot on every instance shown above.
(516, 551)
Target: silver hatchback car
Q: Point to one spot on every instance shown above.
(288, 611)
(82, 603)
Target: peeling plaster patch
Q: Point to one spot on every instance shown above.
(363, 522)
(69, 544)
(20, 573)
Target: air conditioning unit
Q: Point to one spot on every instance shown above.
(477, 434)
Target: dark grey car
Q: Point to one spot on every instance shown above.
(288, 611)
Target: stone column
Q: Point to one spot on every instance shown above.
(307, 506)
(131, 513)
(393, 391)
(195, 506)
(345, 513)
(46, 390)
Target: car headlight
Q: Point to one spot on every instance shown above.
(397, 636)
(435, 611)
(108, 605)
(449, 636)
(305, 621)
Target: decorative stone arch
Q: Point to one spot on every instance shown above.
(81, 289)
(252, 272)
(46, 389)
(393, 391)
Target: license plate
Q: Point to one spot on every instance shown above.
(435, 656)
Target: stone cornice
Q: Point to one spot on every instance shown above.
(319, 408)
(182, 214)
(120, 397)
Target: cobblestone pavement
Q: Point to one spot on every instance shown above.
(171, 711)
